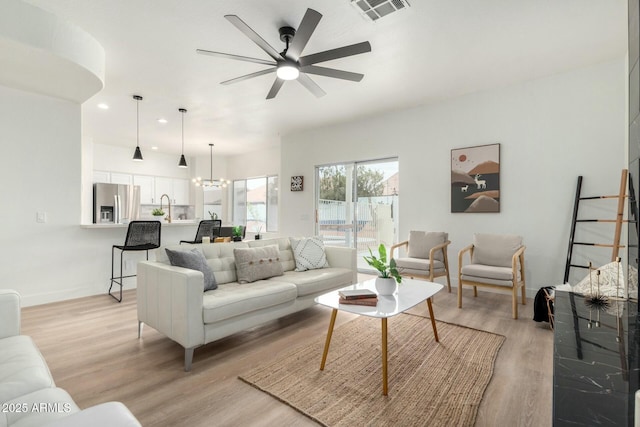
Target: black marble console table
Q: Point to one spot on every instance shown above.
(595, 363)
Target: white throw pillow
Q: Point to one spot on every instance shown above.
(308, 253)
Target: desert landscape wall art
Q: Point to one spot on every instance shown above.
(475, 179)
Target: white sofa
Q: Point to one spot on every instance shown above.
(171, 299)
(28, 394)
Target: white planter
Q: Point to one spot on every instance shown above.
(386, 286)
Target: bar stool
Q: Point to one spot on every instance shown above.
(141, 236)
(206, 227)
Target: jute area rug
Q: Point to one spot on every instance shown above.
(430, 383)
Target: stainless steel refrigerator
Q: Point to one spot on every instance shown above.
(115, 203)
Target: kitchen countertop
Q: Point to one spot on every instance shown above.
(174, 223)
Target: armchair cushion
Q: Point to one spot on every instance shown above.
(22, 368)
(488, 272)
(406, 264)
(421, 242)
(495, 249)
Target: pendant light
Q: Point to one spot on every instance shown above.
(137, 155)
(183, 162)
(216, 183)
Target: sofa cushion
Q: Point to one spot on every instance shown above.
(193, 259)
(495, 249)
(257, 263)
(308, 253)
(222, 261)
(234, 299)
(45, 406)
(421, 242)
(319, 280)
(22, 368)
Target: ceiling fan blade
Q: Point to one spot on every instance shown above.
(249, 76)
(303, 33)
(242, 26)
(311, 85)
(236, 57)
(332, 72)
(341, 52)
(275, 88)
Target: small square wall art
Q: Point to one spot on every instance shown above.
(475, 179)
(296, 183)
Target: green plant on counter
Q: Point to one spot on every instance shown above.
(157, 212)
(237, 231)
(387, 270)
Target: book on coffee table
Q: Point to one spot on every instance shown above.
(359, 301)
(357, 293)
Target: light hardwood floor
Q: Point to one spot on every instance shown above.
(93, 352)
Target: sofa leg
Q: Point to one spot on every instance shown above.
(140, 325)
(188, 358)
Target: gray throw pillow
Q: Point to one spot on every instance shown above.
(193, 259)
(257, 263)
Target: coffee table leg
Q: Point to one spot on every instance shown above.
(384, 357)
(328, 341)
(433, 319)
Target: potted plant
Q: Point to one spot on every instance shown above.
(213, 215)
(157, 212)
(237, 233)
(388, 275)
(258, 237)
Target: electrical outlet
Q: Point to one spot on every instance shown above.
(41, 217)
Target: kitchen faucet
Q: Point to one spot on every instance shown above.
(168, 218)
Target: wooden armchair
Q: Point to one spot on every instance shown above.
(497, 261)
(426, 256)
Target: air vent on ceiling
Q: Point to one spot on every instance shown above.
(376, 9)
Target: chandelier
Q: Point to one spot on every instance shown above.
(216, 183)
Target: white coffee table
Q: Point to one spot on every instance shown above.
(410, 293)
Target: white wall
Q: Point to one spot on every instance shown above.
(120, 159)
(551, 130)
(255, 164)
(41, 172)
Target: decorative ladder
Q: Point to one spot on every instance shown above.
(621, 196)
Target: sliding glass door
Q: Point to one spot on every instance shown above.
(357, 204)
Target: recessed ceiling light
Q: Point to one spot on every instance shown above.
(163, 121)
(103, 106)
(154, 148)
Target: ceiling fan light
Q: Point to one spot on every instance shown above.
(287, 71)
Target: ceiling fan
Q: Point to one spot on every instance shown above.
(288, 64)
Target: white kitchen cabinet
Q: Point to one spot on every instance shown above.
(121, 178)
(163, 186)
(147, 189)
(101, 177)
(180, 191)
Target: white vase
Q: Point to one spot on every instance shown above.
(386, 286)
